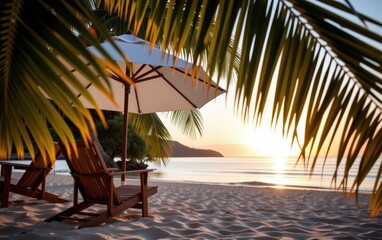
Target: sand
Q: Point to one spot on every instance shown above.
(202, 211)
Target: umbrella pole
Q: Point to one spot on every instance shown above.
(125, 130)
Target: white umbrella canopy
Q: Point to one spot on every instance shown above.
(162, 82)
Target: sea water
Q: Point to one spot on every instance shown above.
(254, 170)
(284, 172)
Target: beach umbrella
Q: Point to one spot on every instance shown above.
(162, 82)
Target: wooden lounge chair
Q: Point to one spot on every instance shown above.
(94, 181)
(29, 183)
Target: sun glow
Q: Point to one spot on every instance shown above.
(270, 144)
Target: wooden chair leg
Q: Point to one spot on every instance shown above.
(111, 197)
(145, 211)
(43, 187)
(6, 172)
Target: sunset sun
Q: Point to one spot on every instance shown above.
(268, 144)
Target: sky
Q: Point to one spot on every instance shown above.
(224, 128)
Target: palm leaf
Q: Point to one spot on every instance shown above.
(152, 130)
(190, 121)
(32, 73)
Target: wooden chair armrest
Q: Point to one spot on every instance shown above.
(21, 166)
(113, 169)
(132, 171)
(7, 163)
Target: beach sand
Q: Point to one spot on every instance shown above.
(202, 211)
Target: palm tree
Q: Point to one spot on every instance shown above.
(325, 68)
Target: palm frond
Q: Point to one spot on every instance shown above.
(189, 121)
(32, 73)
(155, 134)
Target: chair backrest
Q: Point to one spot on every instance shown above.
(108, 160)
(32, 178)
(89, 170)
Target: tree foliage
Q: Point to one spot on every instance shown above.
(111, 139)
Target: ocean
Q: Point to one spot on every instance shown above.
(254, 170)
